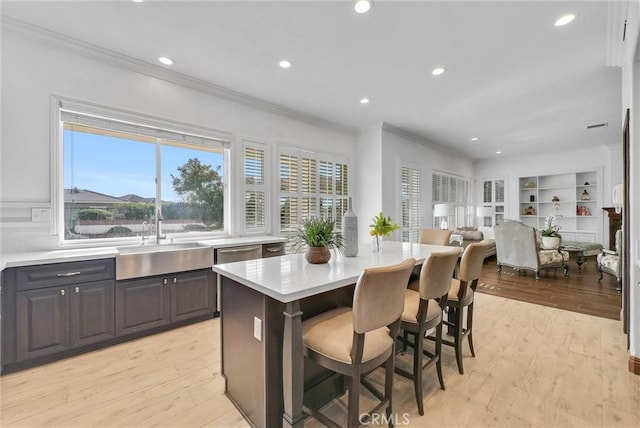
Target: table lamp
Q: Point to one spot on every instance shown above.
(444, 211)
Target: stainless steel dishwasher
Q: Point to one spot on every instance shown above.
(235, 254)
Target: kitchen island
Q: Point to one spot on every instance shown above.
(263, 304)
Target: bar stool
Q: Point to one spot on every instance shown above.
(423, 310)
(461, 296)
(355, 341)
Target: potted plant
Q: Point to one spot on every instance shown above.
(381, 226)
(318, 236)
(550, 236)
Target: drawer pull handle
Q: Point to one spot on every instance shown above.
(239, 250)
(69, 274)
(62, 292)
(77, 289)
(273, 249)
(175, 280)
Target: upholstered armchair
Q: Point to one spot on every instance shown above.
(609, 261)
(517, 247)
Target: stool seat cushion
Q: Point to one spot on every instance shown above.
(331, 334)
(411, 304)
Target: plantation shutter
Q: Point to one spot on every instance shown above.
(255, 188)
(288, 170)
(410, 196)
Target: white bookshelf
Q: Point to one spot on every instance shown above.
(578, 218)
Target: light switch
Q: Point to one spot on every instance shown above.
(40, 214)
(257, 328)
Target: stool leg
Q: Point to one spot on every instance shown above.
(388, 387)
(438, 353)
(417, 369)
(470, 328)
(456, 339)
(354, 399)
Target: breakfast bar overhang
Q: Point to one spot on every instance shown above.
(263, 303)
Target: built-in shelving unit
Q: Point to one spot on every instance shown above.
(572, 197)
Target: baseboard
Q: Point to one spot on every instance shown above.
(634, 365)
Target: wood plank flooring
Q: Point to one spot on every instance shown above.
(534, 366)
(580, 292)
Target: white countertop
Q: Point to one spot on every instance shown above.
(291, 277)
(93, 253)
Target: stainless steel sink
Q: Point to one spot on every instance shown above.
(138, 261)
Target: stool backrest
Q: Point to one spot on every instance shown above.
(435, 236)
(378, 299)
(436, 273)
(472, 260)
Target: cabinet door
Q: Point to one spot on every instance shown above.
(92, 312)
(43, 322)
(141, 304)
(192, 295)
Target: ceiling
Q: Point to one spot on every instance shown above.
(513, 79)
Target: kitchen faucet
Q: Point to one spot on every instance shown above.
(144, 227)
(159, 219)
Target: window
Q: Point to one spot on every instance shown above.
(311, 185)
(117, 175)
(410, 195)
(493, 197)
(255, 195)
(456, 191)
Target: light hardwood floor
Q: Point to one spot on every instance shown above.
(534, 366)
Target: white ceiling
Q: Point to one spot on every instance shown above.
(513, 79)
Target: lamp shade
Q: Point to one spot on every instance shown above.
(484, 212)
(443, 210)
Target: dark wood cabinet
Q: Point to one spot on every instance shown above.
(91, 312)
(50, 310)
(147, 303)
(192, 295)
(42, 322)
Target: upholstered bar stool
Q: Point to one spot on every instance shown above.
(435, 236)
(461, 296)
(424, 304)
(354, 341)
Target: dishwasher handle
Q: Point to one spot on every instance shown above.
(240, 250)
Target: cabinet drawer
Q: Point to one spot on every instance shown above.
(273, 250)
(52, 275)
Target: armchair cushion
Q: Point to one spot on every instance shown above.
(608, 262)
(548, 257)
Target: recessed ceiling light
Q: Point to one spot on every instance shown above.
(165, 60)
(498, 152)
(474, 139)
(363, 6)
(138, 1)
(438, 71)
(565, 20)
(364, 100)
(285, 63)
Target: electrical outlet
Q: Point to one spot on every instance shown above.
(40, 214)
(257, 328)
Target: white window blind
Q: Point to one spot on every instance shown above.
(410, 196)
(311, 185)
(255, 187)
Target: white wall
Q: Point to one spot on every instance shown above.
(398, 150)
(34, 68)
(368, 187)
(511, 168)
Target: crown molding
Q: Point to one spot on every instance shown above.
(399, 132)
(132, 64)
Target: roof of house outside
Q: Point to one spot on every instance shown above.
(83, 196)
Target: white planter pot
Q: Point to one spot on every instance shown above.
(550, 242)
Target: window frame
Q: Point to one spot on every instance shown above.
(493, 204)
(196, 136)
(464, 209)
